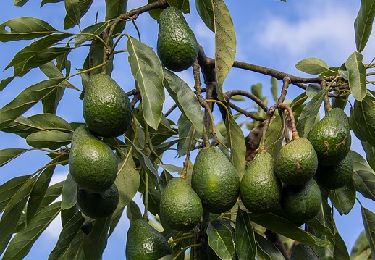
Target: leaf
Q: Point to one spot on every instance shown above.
(363, 23)
(5, 82)
(370, 154)
(75, 10)
(113, 8)
(89, 33)
(38, 192)
(69, 231)
(308, 116)
(369, 223)
(147, 71)
(94, 244)
(267, 250)
(361, 246)
(13, 211)
(245, 240)
(225, 44)
(69, 193)
(274, 89)
(364, 176)
(343, 198)
(185, 99)
(187, 135)
(340, 250)
(53, 192)
(313, 66)
(206, 12)
(286, 228)
(8, 154)
(24, 28)
(356, 75)
(26, 99)
(20, 3)
(52, 139)
(183, 5)
(133, 211)
(24, 240)
(236, 140)
(8, 189)
(274, 134)
(300, 251)
(220, 239)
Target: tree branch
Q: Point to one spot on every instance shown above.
(229, 94)
(251, 115)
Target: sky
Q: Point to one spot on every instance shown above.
(269, 33)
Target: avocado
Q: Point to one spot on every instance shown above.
(177, 46)
(215, 180)
(334, 177)
(180, 207)
(296, 162)
(331, 138)
(144, 242)
(98, 205)
(302, 203)
(92, 163)
(106, 107)
(260, 188)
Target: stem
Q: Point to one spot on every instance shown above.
(145, 213)
(251, 115)
(259, 102)
(292, 119)
(187, 158)
(284, 90)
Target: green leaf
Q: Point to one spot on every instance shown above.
(24, 28)
(69, 231)
(274, 89)
(20, 3)
(13, 211)
(363, 23)
(113, 8)
(148, 72)
(369, 223)
(301, 251)
(361, 248)
(183, 5)
(364, 176)
(286, 228)
(52, 139)
(90, 32)
(50, 2)
(274, 134)
(206, 12)
(69, 193)
(343, 198)
(8, 154)
(26, 99)
(245, 240)
(38, 192)
(52, 193)
(133, 211)
(8, 189)
(266, 249)
(220, 239)
(340, 250)
(94, 243)
(313, 66)
(362, 119)
(24, 240)
(187, 134)
(5, 82)
(236, 140)
(185, 99)
(308, 116)
(225, 42)
(357, 75)
(370, 154)
(44, 122)
(75, 10)
(155, 13)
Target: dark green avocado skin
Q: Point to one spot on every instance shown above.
(331, 138)
(177, 46)
(106, 107)
(144, 242)
(215, 180)
(180, 207)
(296, 162)
(260, 188)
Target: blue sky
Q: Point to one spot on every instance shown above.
(269, 33)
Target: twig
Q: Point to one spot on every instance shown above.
(251, 115)
(258, 101)
(292, 119)
(284, 90)
(170, 110)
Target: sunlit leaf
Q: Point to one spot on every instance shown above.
(364, 176)
(313, 66)
(369, 223)
(206, 12)
(357, 75)
(75, 10)
(363, 23)
(8, 154)
(52, 139)
(220, 239)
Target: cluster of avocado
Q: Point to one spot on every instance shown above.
(290, 185)
(92, 163)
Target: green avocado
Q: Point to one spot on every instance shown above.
(92, 163)
(260, 188)
(301, 203)
(106, 107)
(215, 180)
(331, 137)
(98, 205)
(144, 242)
(296, 162)
(180, 207)
(177, 46)
(334, 177)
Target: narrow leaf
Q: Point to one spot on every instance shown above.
(220, 239)
(5, 82)
(8, 154)
(52, 139)
(75, 10)
(245, 239)
(206, 12)
(267, 250)
(357, 75)
(363, 23)
(187, 134)
(94, 244)
(370, 154)
(274, 89)
(369, 223)
(69, 193)
(364, 176)
(8, 189)
(53, 192)
(313, 66)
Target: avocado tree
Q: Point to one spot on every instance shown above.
(254, 184)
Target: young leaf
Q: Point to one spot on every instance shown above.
(24, 240)
(357, 75)
(343, 198)
(52, 139)
(24, 28)
(245, 240)
(364, 176)
(94, 243)
(369, 223)
(225, 42)
(148, 72)
(75, 10)
(236, 140)
(26, 99)
(69, 193)
(205, 10)
(187, 134)
(363, 23)
(185, 99)
(313, 66)
(8, 154)
(220, 239)
(8, 189)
